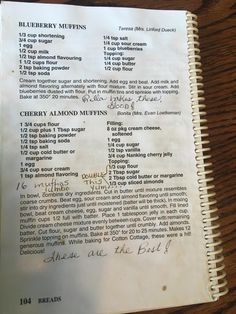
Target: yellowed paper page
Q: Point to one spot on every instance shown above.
(100, 209)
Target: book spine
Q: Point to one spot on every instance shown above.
(217, 281)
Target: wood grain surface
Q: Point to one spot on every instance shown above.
(217, 30)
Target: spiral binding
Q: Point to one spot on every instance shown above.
(217, 281)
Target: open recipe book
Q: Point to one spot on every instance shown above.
(106, 189)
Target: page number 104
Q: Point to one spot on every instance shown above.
(24, 301)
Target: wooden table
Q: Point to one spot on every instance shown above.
(217, 30)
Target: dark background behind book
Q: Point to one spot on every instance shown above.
(217, 31)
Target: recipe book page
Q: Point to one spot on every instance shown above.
(100, 208)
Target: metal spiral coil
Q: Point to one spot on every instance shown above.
(217, 281)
